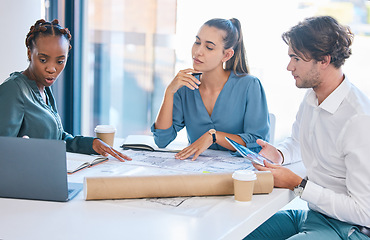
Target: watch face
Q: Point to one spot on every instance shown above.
(212, 131)
(298, 191)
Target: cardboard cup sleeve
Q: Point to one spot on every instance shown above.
(208, 184)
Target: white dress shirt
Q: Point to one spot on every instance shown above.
(333, 141)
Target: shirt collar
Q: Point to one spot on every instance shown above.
(333, 101)
(30, 82)
(33, 85)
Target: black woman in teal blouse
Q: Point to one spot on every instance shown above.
(27, 104)
(225, 100)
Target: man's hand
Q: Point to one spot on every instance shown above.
(283, 177)
(270, 152)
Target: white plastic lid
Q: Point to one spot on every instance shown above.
(244, 175)
(105, 129)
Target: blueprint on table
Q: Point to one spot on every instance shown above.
(162, 163)
(209, 161)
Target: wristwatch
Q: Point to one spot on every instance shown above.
(213, 134)
(298, 190)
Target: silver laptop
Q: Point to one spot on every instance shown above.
(35, 169)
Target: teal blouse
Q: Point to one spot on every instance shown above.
(24, 112)
(240, 108)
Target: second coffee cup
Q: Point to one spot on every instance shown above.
(244, 185)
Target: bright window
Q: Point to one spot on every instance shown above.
(134, 48)
(128, 53)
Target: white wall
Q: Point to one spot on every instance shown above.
(16, 18)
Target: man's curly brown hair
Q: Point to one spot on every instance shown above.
(317, 37)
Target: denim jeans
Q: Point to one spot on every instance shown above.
(305, 224)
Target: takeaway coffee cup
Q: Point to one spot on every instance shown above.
(244, 185)
(105, 133)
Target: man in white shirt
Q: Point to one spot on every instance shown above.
(331, 135)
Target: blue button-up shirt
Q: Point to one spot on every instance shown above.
(241, 109)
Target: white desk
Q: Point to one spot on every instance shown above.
(217, 218)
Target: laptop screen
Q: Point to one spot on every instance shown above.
(33, 169)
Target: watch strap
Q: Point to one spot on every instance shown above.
(303, 183)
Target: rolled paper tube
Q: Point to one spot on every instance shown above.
(264, 183)
(209, 184)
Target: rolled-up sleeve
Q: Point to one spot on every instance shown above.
(291, 146)
(256, 116)
(78, 144)
(163, 137)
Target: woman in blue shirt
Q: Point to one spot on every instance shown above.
(221, 101)
(27, 104)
